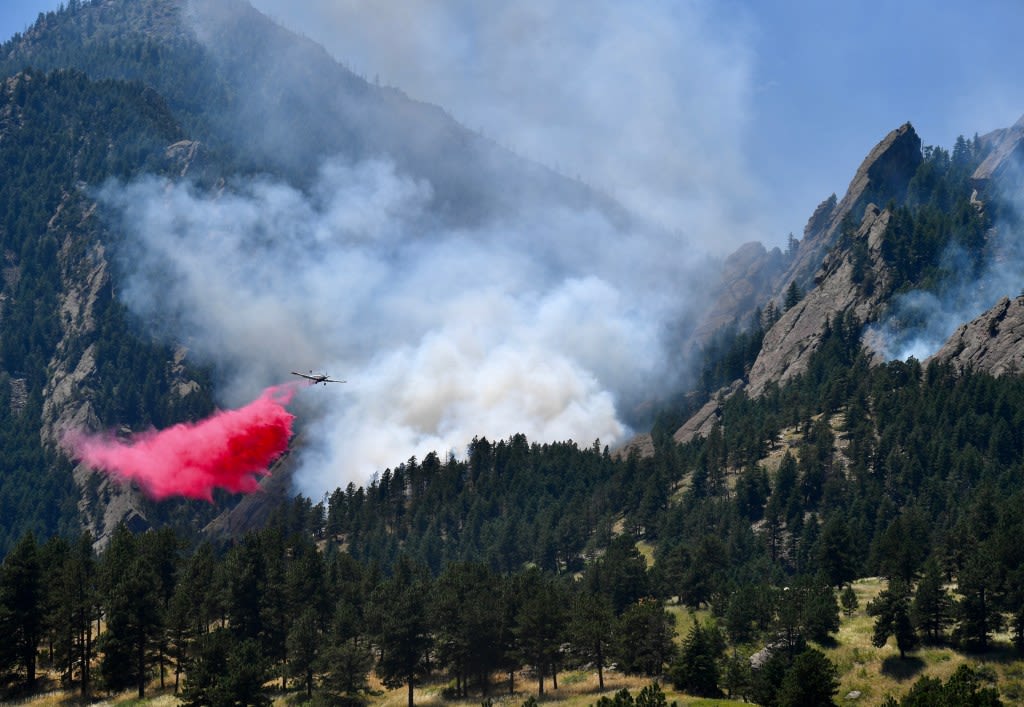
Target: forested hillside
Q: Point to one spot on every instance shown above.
(61, 133)
(523, 555)
(512, 559)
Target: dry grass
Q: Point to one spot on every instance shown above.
(575, 689)
(646, 549)
(874, 672)
(60, 698)
(878, 672)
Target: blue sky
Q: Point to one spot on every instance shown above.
(728, 120)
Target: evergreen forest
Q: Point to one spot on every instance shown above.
(719, 568)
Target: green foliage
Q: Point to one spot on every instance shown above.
(892, 612)
(224, 673)
(963, 689)
(932, 606)
(21, 609)
(695, 669)
(649, 696)
(811, 681)
(591, 630)
(937, 215)
(792, 297)
(848, 600)
(505, 504)
(729, 354)
(644, 638)
(401, 626)
(469, 604)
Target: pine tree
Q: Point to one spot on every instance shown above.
(304, 640)
(540, 623)
(891, 609)
(811, 681)
(402, 626)
(932, 606)
(977, 611)
(792, 297)
(848, 600)
(695, 669)
(21, 608)
(590, 630)
(467, 613)
(131, 608)
(644, 638)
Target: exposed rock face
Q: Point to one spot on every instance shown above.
(1005, 162)
(747, 276)
(703, 421)
(84, 276)
(641, 444)
(67, 399)
(844, 285)
(884, 174)
(838, 278)
(992, 343)
(253, 510)
(182, 155)
(752, 275)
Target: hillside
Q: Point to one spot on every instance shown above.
(813, 457)
(205, 95)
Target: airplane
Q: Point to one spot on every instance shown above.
(316, 377)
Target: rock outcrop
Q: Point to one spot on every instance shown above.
(747, 277)
(1005, 160)
(850, 280)
(704, 420)
(993, 343)
(838, 263)
(884, 174)
(753, 275)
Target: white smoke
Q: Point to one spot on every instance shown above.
(919, 322)
(551, 326)
(553, 322)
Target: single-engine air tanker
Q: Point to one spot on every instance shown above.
(316, 377)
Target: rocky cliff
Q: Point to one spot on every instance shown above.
(838, 263)
(1004, 161)
(992, 343)
(753, 275)
(851, 280)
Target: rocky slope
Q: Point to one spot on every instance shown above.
(1004, 161)
(754, 275)
(993, 343)
(849, 281)
(838, 264)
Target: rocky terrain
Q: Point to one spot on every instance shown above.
(993, 343)
(851, 278)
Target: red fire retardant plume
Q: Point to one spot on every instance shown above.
(227, 450)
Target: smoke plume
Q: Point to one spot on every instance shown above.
(556, 321)
(651, 102)
(554, 324)
(919, 322)
(228, 450)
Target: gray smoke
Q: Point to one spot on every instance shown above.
(551, 326)
(542, 319)
(651, 102)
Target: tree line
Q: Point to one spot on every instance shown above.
(218, 624)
